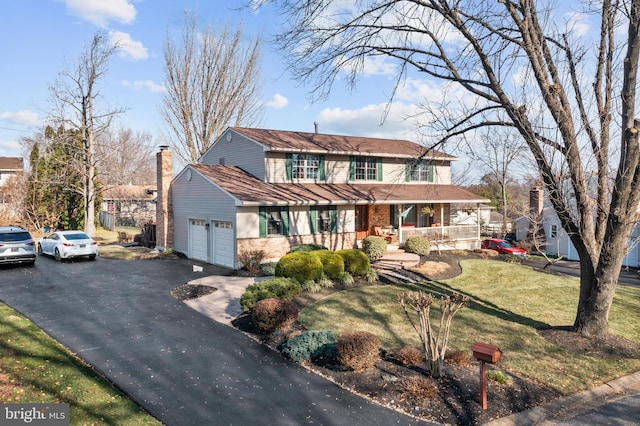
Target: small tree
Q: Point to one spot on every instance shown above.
(433, 343)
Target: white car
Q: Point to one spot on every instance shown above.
(68, 244)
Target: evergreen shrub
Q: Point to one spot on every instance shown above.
(355, 261)
(418, 245)
(332, 263)
(279, 288)
(374, 246)
(273, 314)
(358, 350)
(301, 266)
(311, 345)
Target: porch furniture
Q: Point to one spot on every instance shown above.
(377, 230)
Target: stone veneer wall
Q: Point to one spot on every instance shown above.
(276, 247)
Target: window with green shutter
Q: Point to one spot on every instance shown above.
(273, 221)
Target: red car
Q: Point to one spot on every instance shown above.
(504, 247)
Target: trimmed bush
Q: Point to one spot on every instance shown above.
(418, 245)
(374, 246)
(311, 345)
(301, 266)
(332, 263)
(279, 288)
(307, 248)
(273, 314)
(268, 268)
(358, 350)
(355, 261)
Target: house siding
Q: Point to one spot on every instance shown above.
(240, 151)
(197, 199)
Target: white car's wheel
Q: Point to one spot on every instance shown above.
(57, 255)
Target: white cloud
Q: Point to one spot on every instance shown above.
(128, 48)
(578, 24)
(278, 101)
(378, 65)
(142, 84)
(10, 149)
(22, 118)
(101, 12)
(366, 121)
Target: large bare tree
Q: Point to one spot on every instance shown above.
(124, 157)
(570, 95)
(212, 80)
(76, 100)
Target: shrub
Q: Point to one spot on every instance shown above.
(273, 314)
(279, 288)
(419, 387)
(346, 279)
(499, 377)
(268, 268)
(252, 260)
(301, 266)
(410, 355)
(358, 350)
(311, 345)
(461, 358)
(371, 275)
(355, 261)
(375, 247)
(332, 263)
(307, 248)
(418, 245)
(510, 258)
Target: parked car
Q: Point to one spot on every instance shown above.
(504, 247)
(68, 244)
(16, 245)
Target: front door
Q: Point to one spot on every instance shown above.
(362, 222)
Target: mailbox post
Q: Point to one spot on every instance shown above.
(485, 353)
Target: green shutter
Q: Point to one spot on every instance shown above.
(262, 220)
(431, 173)
(407, 171)
(352, 168)
(313, 219)
(284, 215)
(323, 174)
(392, 215)
(333, 210)
(289, 166)
(379, 167)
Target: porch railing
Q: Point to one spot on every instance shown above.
(443, 233)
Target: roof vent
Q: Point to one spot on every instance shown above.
(315, 125)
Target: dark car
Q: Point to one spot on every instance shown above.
(16, 245)
(503, 247)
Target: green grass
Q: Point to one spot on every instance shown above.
(507, 304)
(36, 369)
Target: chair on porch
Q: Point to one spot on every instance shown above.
(377, 230)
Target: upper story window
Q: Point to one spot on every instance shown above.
(365, 168)
(420, 171)
(305, 166)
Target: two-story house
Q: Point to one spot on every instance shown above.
(270, 190)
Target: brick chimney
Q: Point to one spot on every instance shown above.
(536, 201)
(164, 216)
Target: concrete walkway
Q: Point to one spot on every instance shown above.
(223, 305)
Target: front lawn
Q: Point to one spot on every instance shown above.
(508, 304)
(34, 368)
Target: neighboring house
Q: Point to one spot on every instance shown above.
(490, 221)
(9, 167)
(131, 205)
(270, 190)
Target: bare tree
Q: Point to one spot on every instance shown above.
(524, 69)
(75, 97)
(212, 82)
(125, 157)
(497, 153)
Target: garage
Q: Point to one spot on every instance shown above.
(198, 240)
(223, 246)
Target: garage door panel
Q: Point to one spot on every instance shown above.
(198, 240)
(223, 243)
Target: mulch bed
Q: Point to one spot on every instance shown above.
(191, 291)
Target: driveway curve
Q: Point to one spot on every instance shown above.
(179, 365)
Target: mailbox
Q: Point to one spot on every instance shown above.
(486, 353)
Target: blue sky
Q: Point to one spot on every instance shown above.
(41, 38)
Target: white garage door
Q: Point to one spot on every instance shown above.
(198, 239)
(223, 246)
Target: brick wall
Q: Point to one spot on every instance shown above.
(276, 247)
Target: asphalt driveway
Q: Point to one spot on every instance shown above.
(179, 365)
